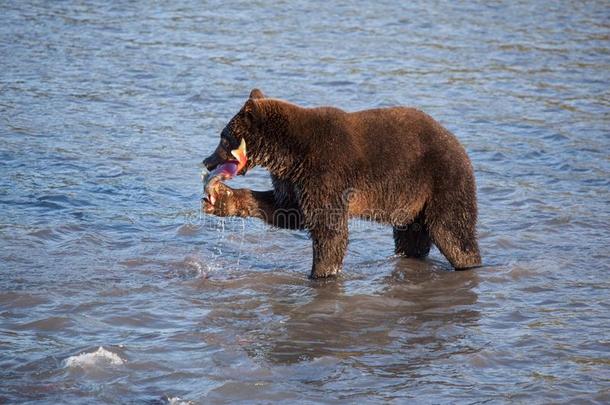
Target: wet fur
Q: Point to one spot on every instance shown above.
(393, 165)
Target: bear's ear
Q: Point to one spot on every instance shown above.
(256, 93)
(252, 110)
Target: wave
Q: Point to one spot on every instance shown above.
(99, 357)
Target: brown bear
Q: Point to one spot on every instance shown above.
(392, 165)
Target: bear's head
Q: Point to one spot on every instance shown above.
(250, 124)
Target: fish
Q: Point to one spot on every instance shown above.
(223, 172)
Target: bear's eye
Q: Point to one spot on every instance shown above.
(229, 141)
(225, 145)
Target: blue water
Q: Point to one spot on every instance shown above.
(106, 109)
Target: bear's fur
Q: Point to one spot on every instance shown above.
(392, 165)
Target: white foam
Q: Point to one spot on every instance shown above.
(178, 401)
(99, 357)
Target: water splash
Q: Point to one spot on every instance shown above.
(178, 401)
(241, 241)
(98, 358)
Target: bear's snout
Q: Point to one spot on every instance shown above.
(212, 161)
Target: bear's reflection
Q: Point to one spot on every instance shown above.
(419, 312)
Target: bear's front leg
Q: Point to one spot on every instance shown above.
(329, 246)
(243, 203)
(229, 202)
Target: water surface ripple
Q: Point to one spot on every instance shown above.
(115, 289)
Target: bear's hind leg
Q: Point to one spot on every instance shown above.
(412, 240)
(453, 232)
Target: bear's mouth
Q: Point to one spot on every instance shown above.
(217, 169)
(238, 156)
(240, 172)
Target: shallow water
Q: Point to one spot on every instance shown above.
(107, 108)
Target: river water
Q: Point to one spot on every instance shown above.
(114, 287)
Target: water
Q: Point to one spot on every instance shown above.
(115, 289)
